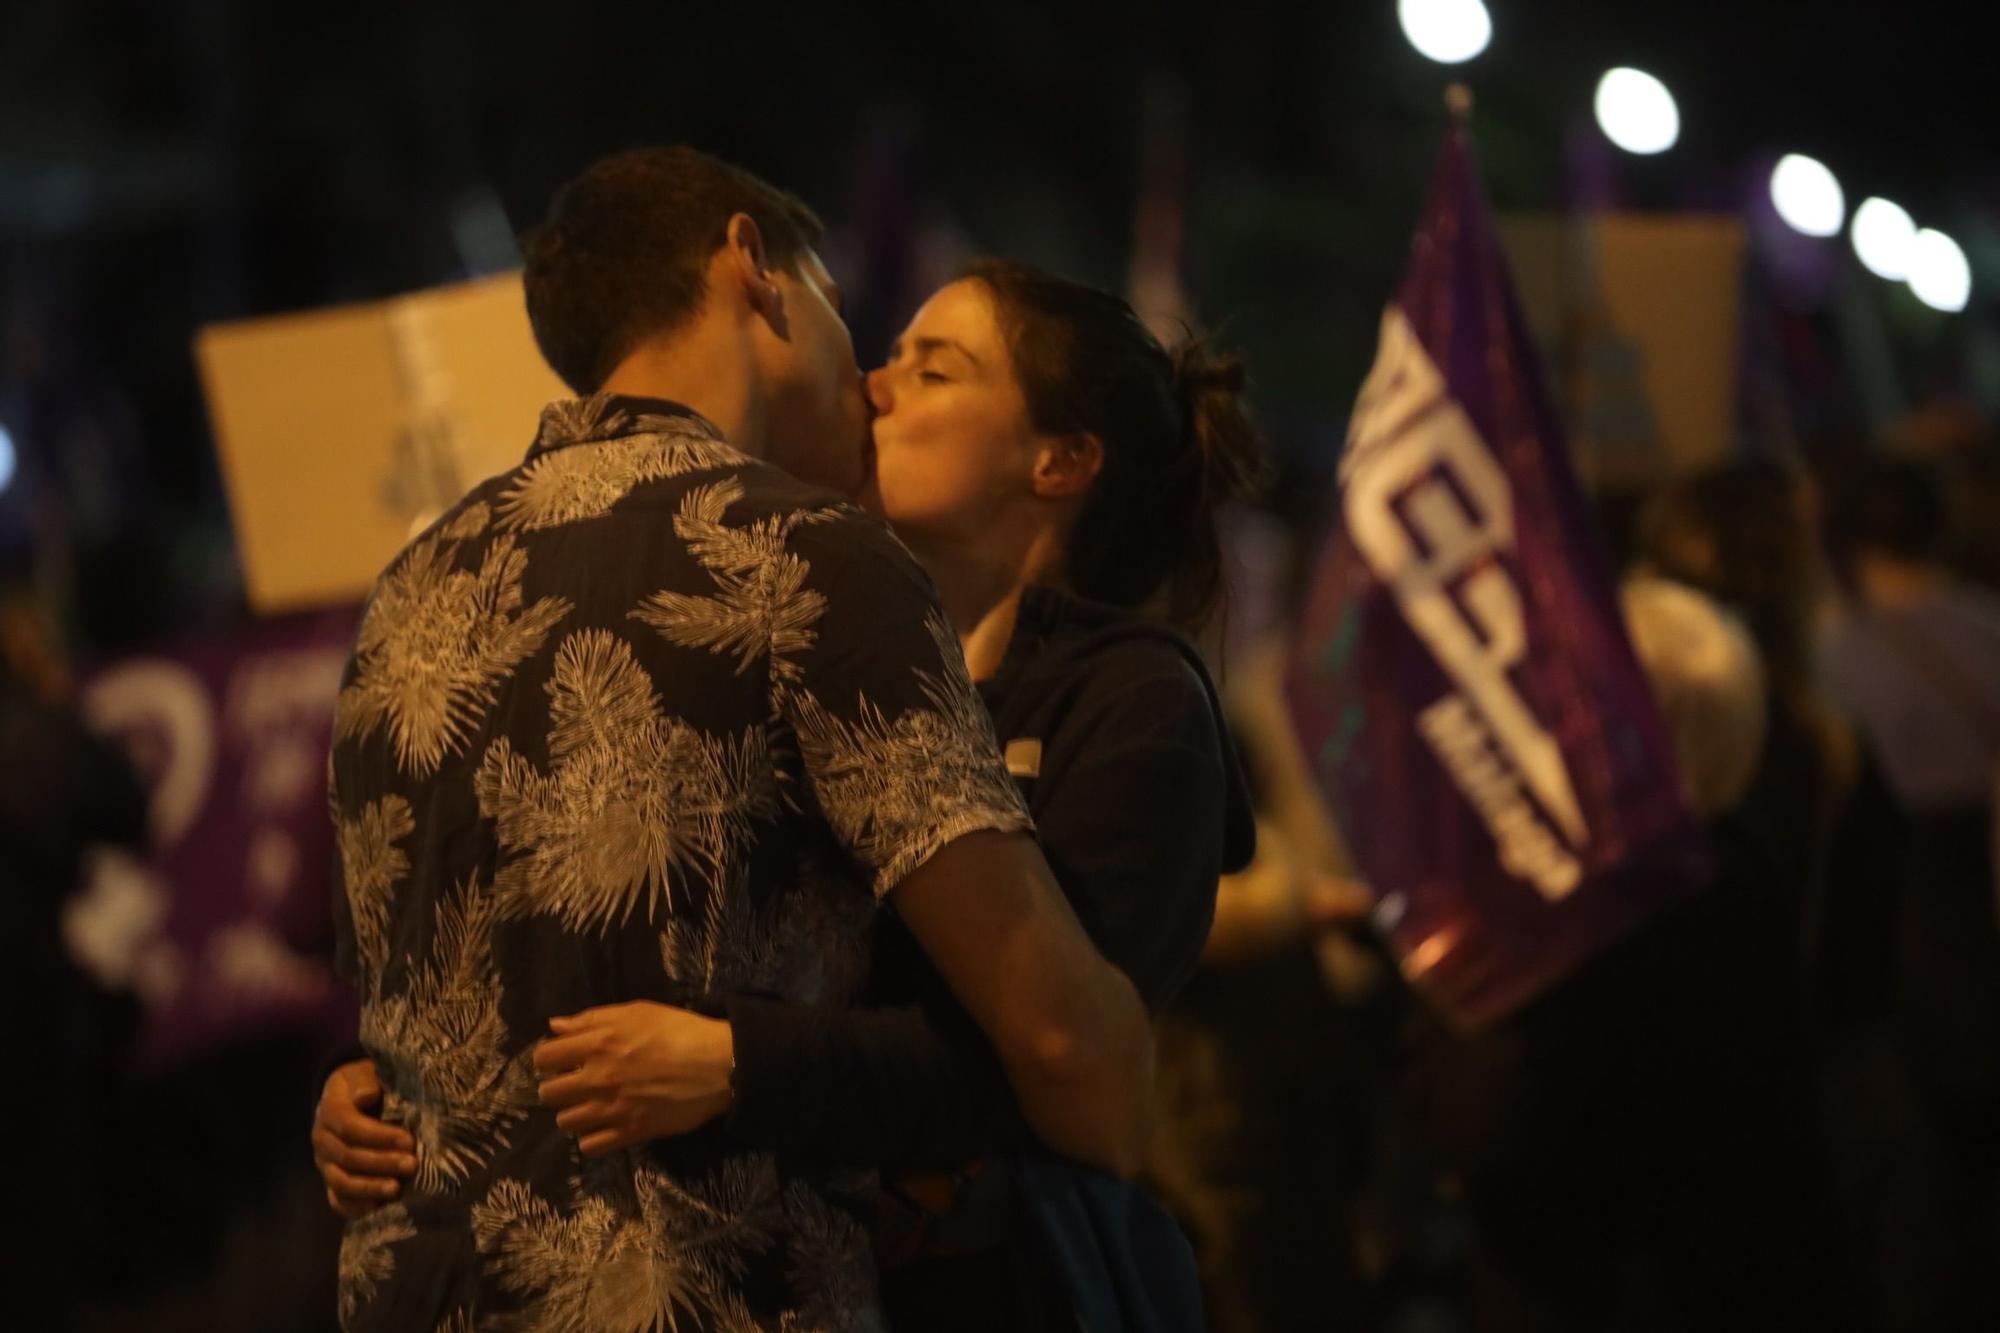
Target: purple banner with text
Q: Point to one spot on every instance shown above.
(1461, 679)
(223, 930)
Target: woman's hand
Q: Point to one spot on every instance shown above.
(359, 1155)
(625, 1073)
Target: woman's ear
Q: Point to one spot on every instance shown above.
(1067, 465)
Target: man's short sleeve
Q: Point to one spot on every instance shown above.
(897, 746)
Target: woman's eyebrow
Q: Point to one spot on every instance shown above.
(925, 346)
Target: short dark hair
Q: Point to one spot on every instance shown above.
(1177, 440)
(624, 253)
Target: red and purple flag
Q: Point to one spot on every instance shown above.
(1462, 682)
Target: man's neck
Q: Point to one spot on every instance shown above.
(708, 368)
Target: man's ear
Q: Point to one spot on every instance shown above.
(747, 264)
(1067, 465)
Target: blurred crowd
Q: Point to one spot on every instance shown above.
(1777, 1104)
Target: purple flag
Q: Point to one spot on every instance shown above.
(1461, 682)
(223, 931)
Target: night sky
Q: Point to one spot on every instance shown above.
(165, 165)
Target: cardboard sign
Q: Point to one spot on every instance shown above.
(343, 432)
(1638, 319)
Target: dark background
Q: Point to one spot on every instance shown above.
(166, 165)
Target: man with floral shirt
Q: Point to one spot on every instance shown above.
(654, 718)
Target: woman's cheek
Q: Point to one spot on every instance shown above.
(897, 484)
(921, 491)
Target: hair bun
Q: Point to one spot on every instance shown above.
(1218, 425)
(1199, 369)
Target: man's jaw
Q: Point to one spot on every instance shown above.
(866, 493)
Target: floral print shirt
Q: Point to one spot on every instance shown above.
(641, 719)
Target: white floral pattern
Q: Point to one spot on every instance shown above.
(446, 1072)
(438, 640)
(672, 1253)
(762, 609)
(367, 1255)
(896, 788)
(631, 794)
(571, 485)
(581, 420)
(372, 865)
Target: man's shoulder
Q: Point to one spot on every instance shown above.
(771, 491)
(467, 520)
(819, 524)
(754, 489)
